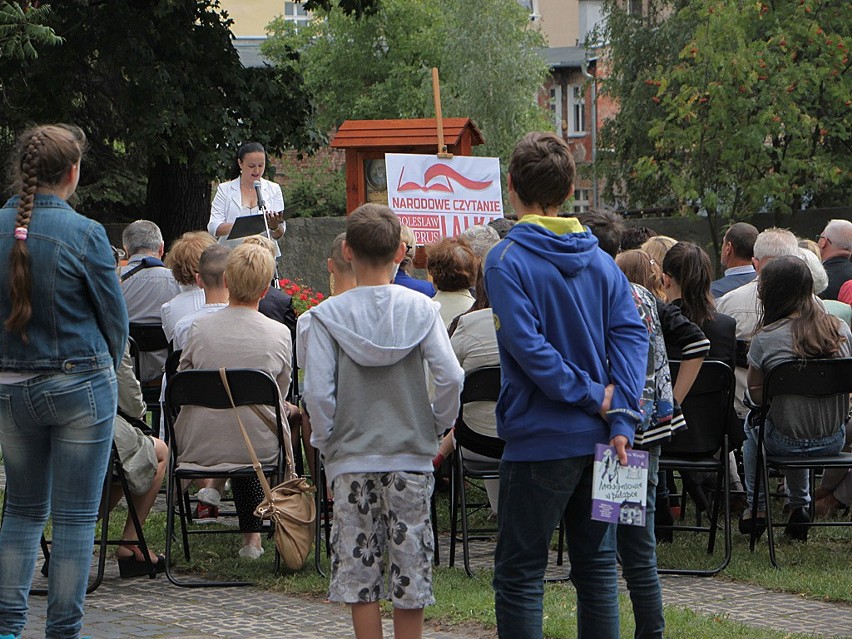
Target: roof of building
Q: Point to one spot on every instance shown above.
(248, 48)
(564, 57)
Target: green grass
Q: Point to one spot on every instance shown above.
(469, 602)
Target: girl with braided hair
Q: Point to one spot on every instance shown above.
(64, 328)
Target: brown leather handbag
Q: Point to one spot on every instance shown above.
(290, 505)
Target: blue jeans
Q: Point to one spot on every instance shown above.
(56, 435)
(637, 548)
(796, 481)
(533, 498)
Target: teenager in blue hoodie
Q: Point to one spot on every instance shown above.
(573, 352)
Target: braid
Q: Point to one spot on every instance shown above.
(19, 258)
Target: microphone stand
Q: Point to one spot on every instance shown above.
(261, 206)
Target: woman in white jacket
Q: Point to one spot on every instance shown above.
(238, 197)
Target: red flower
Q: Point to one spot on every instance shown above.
(304, 298)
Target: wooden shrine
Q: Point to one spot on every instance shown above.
(367, 141)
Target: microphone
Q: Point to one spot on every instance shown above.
(260, 203)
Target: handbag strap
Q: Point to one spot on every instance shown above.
(286, 436)
(255, 462)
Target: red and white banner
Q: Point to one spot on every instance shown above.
(439, 197)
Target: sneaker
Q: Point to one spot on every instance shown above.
(204, 514)
(209, 496)
(251, 552)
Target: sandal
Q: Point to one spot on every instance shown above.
(135, 566)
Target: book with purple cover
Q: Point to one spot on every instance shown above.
(619, 493)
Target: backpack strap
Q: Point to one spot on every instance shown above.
(146, 262)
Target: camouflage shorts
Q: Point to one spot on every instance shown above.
(381, 541)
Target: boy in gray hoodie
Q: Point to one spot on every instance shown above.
(372, 420)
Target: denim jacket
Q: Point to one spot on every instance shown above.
(79, 321)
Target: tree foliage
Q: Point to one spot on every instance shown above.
(730, 107)
(22, 29)
(380, 66)
(161, 93)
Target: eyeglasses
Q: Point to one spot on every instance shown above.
(823, 237)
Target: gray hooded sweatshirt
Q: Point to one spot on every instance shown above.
(365, 385)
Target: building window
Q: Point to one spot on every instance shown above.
(576, 110)
(591, 16)
(297, 14)
(556, 108)
(532, 7)
(582, 200)
(634, 7)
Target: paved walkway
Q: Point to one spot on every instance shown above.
(156, 610)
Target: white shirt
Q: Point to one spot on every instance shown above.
(180, 306)
(228, 203)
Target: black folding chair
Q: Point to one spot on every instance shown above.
(703, 447)
(204, 388)
(480, 385)
(115, 472)
(803, 378)
(149, 340)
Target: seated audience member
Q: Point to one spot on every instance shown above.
(276, 304)
(182, 259)
(404, 273)
(737, 251)
(237, 337)
(502, 225)
(635, 236)
(210, 279)
(481, 238)
(657, 247)
(607, 226)
(474, 341)
(452, 266)
(845, 294)
(146, 284)
(686, 279)
(792, 326)
(743, 303)
(143, 459)
(820, 277)
(340, 273)
(835, 245)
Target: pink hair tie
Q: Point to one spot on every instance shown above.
(21, 234)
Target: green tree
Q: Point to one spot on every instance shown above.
(22, 29)
(751, 113)
(379, 66)
(164, 99)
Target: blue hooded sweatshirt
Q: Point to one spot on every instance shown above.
(567, 326)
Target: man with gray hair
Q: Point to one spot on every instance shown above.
(743, 303)
(147, 284)
(835, 245)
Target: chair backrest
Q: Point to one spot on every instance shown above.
(172, 362)
(707, 409)
(808, 378)
(204, 388)
(149, 337)
(134, 356)
(480, 385)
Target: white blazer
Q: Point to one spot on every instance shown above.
(228, 204)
